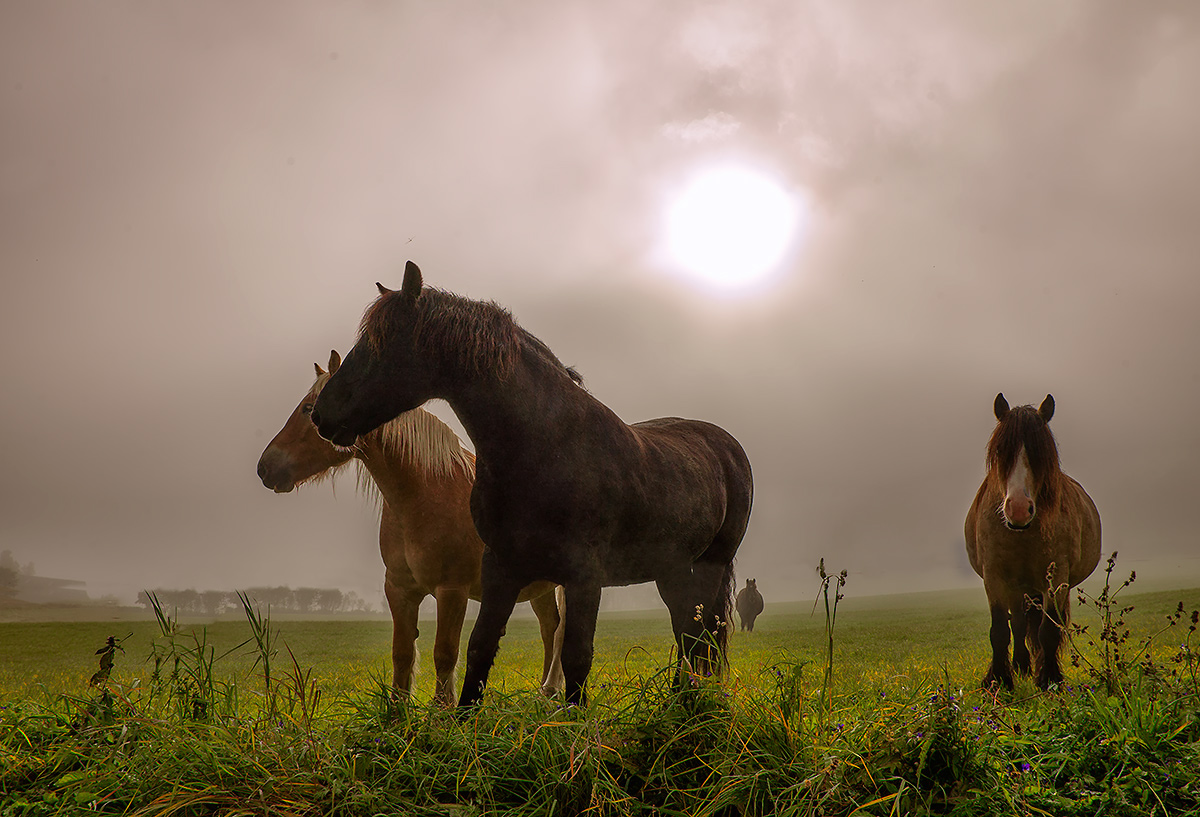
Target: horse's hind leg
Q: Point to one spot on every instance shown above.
(685, 624)
(550, 623)
(583, 606)
(699, 609)
(451, 610)
(1000, 671)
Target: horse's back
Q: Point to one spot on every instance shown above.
(971, 528)
(695, 440)
(701, 459)
(700, 447)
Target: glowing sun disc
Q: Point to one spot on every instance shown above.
(731, 226)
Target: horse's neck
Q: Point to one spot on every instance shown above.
(510, 419)
(396, 474)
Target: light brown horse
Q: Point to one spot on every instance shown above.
(1032, 534)
(426, 537)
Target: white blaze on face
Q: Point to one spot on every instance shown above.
(1018, 494)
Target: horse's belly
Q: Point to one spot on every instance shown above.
(564, 532)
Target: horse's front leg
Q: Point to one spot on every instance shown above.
(500, 593)
(1024, 626)
(1000, 672)
(451, 610)
(583, 606)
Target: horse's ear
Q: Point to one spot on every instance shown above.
(382, 289)
(1046, 409)
(410, 290)
(335, 360)
(320, 371)
(1000, 407)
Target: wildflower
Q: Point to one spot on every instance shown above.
(1025, 767)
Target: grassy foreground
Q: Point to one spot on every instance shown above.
(255, 717)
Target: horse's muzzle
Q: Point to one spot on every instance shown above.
(269, 473)
(338, 436)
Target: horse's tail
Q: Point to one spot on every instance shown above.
(724, 617)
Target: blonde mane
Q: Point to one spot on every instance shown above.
(419, 438)
(416, 437)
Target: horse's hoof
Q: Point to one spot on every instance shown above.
(1048, 681)
(992, 680)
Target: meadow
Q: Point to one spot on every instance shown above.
(857, 706)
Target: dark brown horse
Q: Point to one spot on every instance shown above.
(564, 490)
(1032, 534)
(423, 475)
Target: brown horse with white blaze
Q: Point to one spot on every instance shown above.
(423, 474)
(1032, 533)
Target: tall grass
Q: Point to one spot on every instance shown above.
(870, 737)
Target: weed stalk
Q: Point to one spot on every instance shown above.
(839, 581)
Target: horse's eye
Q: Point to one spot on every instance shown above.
(306, 409)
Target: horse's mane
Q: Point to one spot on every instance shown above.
(469, 336)
(421, 438)
(537, 343)
(415, 436)
(1023, 426)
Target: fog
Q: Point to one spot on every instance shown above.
(197, 199)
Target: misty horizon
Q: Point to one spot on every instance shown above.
(199, 198)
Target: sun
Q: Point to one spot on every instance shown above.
(731, 226)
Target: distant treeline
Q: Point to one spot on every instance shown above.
(10, 574)
(278, 599)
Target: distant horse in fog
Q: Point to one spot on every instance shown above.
(1032, 533)
(426, 536)
(749, 604)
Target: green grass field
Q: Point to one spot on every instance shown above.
(901, 728)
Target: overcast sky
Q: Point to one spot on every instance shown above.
(197, 198)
